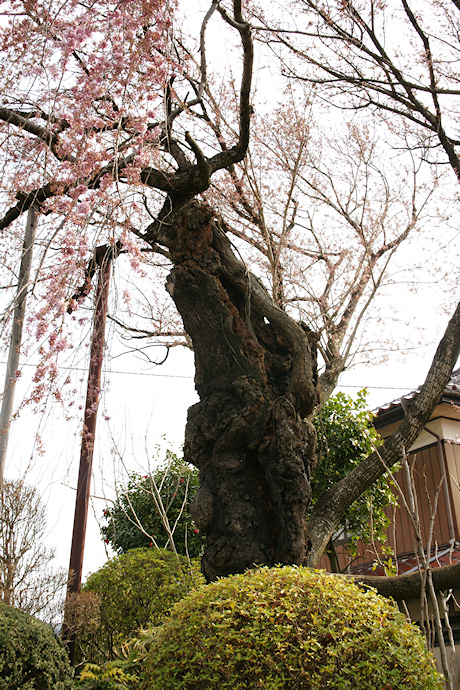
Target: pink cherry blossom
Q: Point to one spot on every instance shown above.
(92, 78)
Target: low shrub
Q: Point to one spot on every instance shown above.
(113, 675)
(121, 673)
(131, 591)
(287, 628)
(30, 654)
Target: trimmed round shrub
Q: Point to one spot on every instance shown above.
(30, 653)
(287, 628)
(134, 589)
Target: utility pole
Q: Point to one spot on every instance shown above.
(16, 336)
(103, 260)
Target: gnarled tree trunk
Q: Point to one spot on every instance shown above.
(250, 434)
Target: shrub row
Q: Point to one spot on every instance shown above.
(268, 628)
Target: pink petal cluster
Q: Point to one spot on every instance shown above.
(88, 79)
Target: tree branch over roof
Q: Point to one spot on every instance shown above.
(330, 507)
(409, 585)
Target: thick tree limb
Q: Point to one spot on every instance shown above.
(409, 586)
(333, 503)
(50, 138)
(37, 197)
(246, 79)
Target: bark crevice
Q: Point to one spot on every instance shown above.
(249, 435)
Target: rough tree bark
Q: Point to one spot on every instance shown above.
(250, 434)
(408, 586)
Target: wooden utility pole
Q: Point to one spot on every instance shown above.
(16, 336)
(103, 259)
(89, 423)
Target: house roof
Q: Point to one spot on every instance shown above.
(394, 410)
(408, 563)
(440, 555)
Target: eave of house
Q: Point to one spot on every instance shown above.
(409, 562)
(444, 421)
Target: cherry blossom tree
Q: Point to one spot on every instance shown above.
(324, 214)
(123, 134)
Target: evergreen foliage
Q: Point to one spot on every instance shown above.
(109, 676)
(138, 504)
(286, 628)
(30, 654)
(346, 436)
(134, 589)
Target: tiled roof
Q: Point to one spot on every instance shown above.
(408, 397)
(454, 383)
(408, 563)
(452, 389)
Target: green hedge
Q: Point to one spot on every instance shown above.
(134, 590)
(286, 628)
(30, 654)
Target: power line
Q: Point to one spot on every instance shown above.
(183, 376)
(114, 371)
(377, 388)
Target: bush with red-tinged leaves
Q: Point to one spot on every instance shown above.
(290, 628)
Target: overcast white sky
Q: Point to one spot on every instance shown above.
(146, 406)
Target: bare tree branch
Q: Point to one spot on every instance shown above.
(330, 507)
